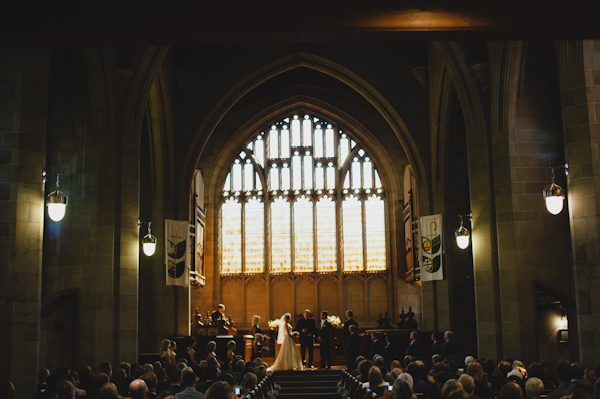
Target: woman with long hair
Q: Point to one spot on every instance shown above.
(288, 357)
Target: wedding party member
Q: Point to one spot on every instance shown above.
(325, 340)
(255, 327)
(352, 348)
(288, 358)
(307, 328)
(349, 322)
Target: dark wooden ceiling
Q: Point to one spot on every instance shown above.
(127, 22)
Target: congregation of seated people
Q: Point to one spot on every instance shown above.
(171, 377)
(440, 374)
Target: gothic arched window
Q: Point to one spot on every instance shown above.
(303, 196)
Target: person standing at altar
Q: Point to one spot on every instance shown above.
(325, 340)
(307, 329)
(349, 322)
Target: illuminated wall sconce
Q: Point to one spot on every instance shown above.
(149, 241)
(563, 332)
(56, 202)
(554, 194)
(463, 235)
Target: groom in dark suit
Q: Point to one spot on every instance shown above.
(307, 328)
(325, 340)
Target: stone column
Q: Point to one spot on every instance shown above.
(23, 109)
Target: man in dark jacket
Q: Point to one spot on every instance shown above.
(352, 348)
(307, 328)
(325, 341)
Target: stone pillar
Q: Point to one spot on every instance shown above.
(23, 109)
(579, 64)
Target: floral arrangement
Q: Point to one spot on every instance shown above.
(335, 321)
(295, 333)
(273, 324)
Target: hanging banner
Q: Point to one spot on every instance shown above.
(177, 238)
(430, 237)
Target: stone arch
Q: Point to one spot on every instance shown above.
(282, 288)
(322, 65)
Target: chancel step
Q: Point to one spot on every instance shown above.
(308, 384)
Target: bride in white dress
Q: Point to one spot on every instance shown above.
(288, 358)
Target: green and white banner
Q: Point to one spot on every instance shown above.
(430, 237)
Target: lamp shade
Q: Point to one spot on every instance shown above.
(57, 205)
(463, 237)
(554, 197)
(149, 244)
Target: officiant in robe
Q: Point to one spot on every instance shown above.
(308, 330)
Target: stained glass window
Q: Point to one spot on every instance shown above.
(231, 234)
(304, 260)
(297, 187)
(281, 236)
(353, 237)
(254, 237)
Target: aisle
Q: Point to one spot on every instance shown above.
(311, 383)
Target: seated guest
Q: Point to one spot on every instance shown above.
(511, 390)
(380, 362)
(401, 390)
(467, 383)
(419, 385)
(363, 372)
(534, 388)
(138, 389)
(261, 372)
(248, 383)
(64, 390)
(434, 390)
(408, 378)
(165, 353)
(175, 376)
(449, 387)
(219, 390)
(577, 372)
(189, 383)
(151, 383)
(109, 391)
(393, 375)
(376, 383)
(504, 368)
(580, 390)
(562, 371)
(42, 377)
(537, 370)
(482, 390)
(589, 376)
(211, 373)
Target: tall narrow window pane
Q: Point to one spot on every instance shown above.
(304, 260)
(352, 228)
(285, 143)
(285, 178)
(227, 185)
(281, 256)
(297, 172)
(377, 181)
(326, 237)
(375, 226)
(274, 143)
(306, 132)
(344, 149)
(356, 174)
(308, 173)
(231, 233)
(329, 146)
(347, 180)
(258, 182)
(237, 176)
(259, 151)
(319, 177)
(296, 132)
(318, 147)
(367, 174)
(330, 177)
(254, 237)
(248, 175)
(274, 179)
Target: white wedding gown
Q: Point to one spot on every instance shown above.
(288, 358)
